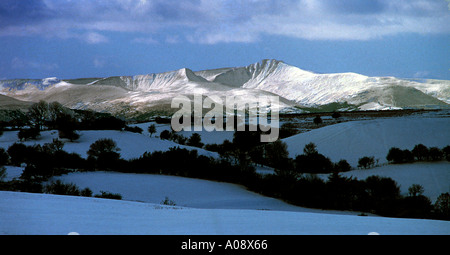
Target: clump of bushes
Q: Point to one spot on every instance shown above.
(59, 188)
(366, 162)
(194, 140)
(167, 201)
(420, 152)
(44, 161)
(134, 129)
(104, 154)
(109, 195)
(311, 161)
(28, 133)
(442, 206)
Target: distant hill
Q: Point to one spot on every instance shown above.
(298, 90)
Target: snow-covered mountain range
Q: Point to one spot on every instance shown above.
(297, 89)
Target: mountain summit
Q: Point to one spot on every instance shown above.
(297, 88)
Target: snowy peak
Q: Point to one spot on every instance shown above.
(294, 86)
(189, 75)
(22, 84)
(253, 75)
(155, 81)
(164, 81)
(266, 67)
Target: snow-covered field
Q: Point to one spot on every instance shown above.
(132, 145)
(207, 207)
(186, 192)
(26, 213)
(434, 177)
(356, 139)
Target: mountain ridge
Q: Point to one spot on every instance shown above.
(296, 88)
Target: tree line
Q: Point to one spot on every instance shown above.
(420, 152)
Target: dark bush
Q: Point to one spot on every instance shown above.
(60, 188)
(382, 194)
(33, 172)
(366, 162)
(317, 120)
(407, 156)
(342, 192)
(31, 186)
(414, 207)
(435, 154)
(38, 114)
(446, 151)
(63, 159)
(180, 139)
(276, 154)
(245, 141)
(66, 125)
(310, 191)
(4, 157)
(151, 129)
(86, 192)
(313, 163)
(165, 135)
(342, 166)
(310, 149)
(18, 153)
(109, 195)
(162, 120)
(195, 140)
(336, 115)
(167, 201)
(103, 153)
(415, 190)
(93, 121)
(101, 147)
(395, 155)
(134, 129)
(2, 173)
(72, 135)
(29, 133)
(420, 152)
(442, 206)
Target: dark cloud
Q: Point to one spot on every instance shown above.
(225, 21)
(13, 12)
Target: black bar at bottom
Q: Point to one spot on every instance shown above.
(233, 244)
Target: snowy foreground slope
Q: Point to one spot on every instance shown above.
(26, 213)
(356, 139)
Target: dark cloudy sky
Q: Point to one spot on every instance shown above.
(87, 38)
